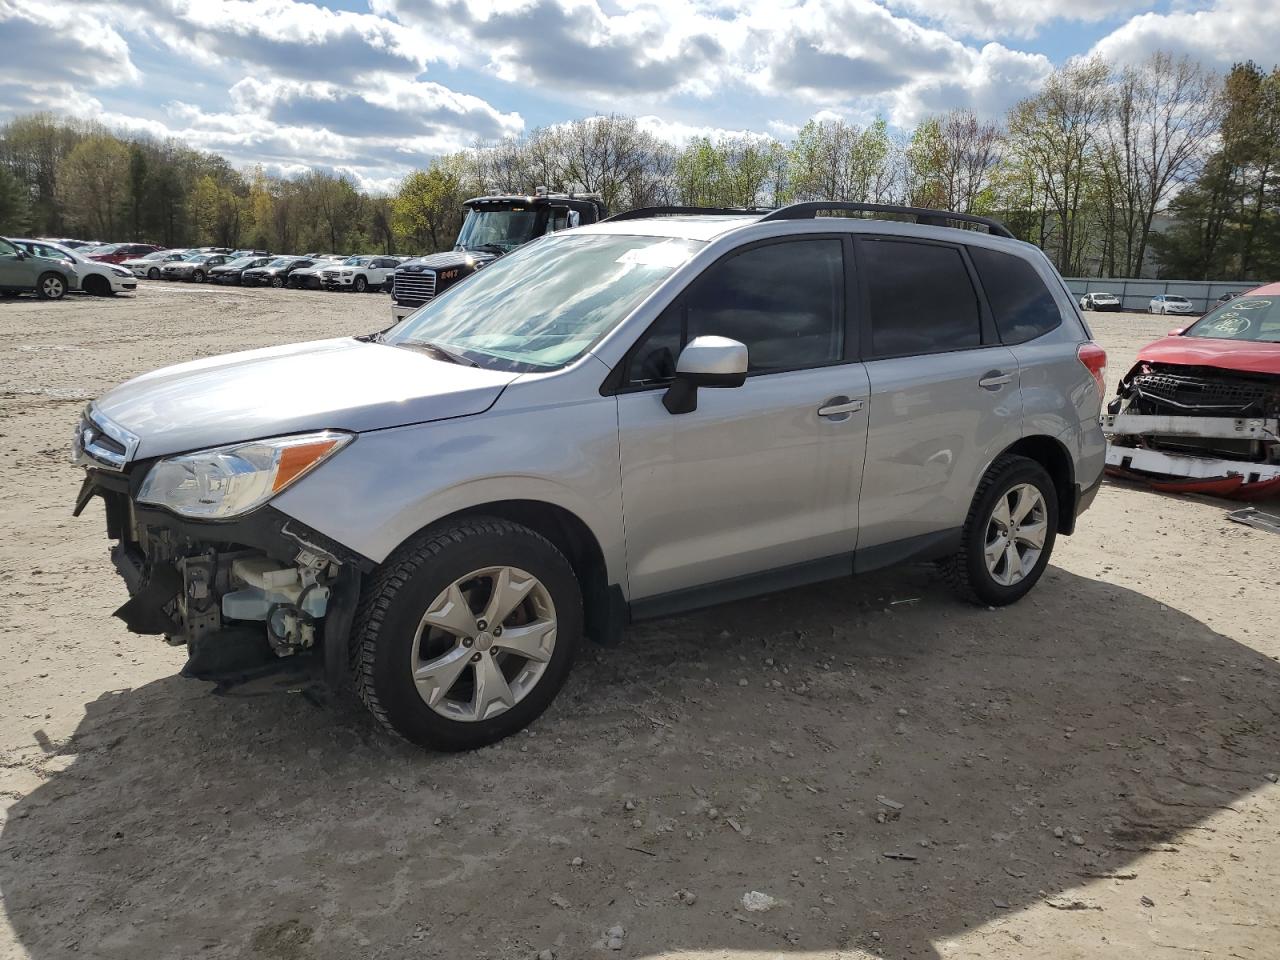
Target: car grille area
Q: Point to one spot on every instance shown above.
(1164, 391)
(413, 289)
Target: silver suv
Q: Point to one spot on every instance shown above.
(639, 417)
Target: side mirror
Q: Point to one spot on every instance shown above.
(705, 362)
(1177, 331)
(20, 253)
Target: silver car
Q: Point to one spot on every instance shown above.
(627, 420)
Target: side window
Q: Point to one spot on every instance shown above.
(785, 301)
(920, 297)
(559, 220)
(1023, 307)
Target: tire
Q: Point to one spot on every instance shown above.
(415, 580)
(51, 286)
(360, 285)
(277, 281)
(967, 570)
(197, 276)
(153, 273)
(96, 286)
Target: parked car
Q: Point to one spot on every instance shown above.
(236, 254)
(49, 278)
(94, 278)
(233, 269)
(1100, 300)
(194, 268)
(274, 274)
(435, 513)
(1167, 303)
(67, 242)
(361, 273)
(120, 252)
(308, 278)
(150, 265)
(1199, 411)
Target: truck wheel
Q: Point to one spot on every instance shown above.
(96, 286)
(1008, 535)
(467, 633)
(51, 286)
(361, 284)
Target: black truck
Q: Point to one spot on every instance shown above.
(494, 226)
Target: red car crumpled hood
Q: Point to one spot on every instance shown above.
(1240, 355)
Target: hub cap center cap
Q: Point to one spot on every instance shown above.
(484, 640)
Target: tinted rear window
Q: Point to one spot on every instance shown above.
(921, 298)
(1023, 306)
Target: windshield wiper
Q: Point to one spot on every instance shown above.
(497, 248)
(439, 351)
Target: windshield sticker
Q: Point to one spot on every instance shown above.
(1250, 304)
(1231, 324)
(669, 255)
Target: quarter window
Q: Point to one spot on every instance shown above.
(920, 297)
(784, 301)
(1023, 307)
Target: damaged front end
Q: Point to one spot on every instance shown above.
(1186, 428)
(251, 596)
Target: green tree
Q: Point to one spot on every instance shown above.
(93, 183)
(427, 207)
(15, 206)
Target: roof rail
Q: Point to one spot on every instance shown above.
(923, 215)
(641, 212)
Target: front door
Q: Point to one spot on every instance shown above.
(14, 271)
(761, 477)
(945, 396)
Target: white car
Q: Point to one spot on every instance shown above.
(150, 266)
(360, 273)
(1100, 300)
(92, 276)
(1167, 303)
(308, 278)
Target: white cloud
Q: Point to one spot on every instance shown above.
(1219, 35)
(989, 19)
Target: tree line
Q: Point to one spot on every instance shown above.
(1165, 165)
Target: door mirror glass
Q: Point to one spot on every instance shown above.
(705, 362)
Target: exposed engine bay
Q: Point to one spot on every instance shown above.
(1197, 428)
(243, 597)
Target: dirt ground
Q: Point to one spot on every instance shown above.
(1089, 773)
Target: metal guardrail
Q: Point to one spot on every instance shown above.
(1136, 294)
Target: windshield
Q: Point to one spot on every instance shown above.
(200, 258)
(1245, 318)
(356, 261)
(544, 305)
(281, 262)
(241, 262)
(497, 230)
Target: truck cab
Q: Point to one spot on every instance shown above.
(494, 226)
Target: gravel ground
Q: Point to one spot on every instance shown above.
(1089, 773)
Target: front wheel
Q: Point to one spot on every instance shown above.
(51, 286)
(361, 284)
(277, 281)
(1008, 535)
(197, 276)
(467, 633)
(153, 273)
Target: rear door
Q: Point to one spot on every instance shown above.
(944, 396)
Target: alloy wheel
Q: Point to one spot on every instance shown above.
(1015, 534)
(52, 287)
(484, 643)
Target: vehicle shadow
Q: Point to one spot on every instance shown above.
(878, 718)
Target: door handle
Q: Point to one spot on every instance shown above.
(837, 406)
(995, 380)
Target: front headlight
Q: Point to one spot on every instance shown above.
(121, 273)
(229, 481)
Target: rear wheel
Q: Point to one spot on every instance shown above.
(153, 273)
(1008, 535)
(51, 286)
(467, 634)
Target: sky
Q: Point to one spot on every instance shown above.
(377, 87)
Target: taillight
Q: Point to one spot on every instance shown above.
(1094, 359)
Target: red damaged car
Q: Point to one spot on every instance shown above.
(1200, 410)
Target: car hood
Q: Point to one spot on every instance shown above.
(1243, 356)
(343, 384)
